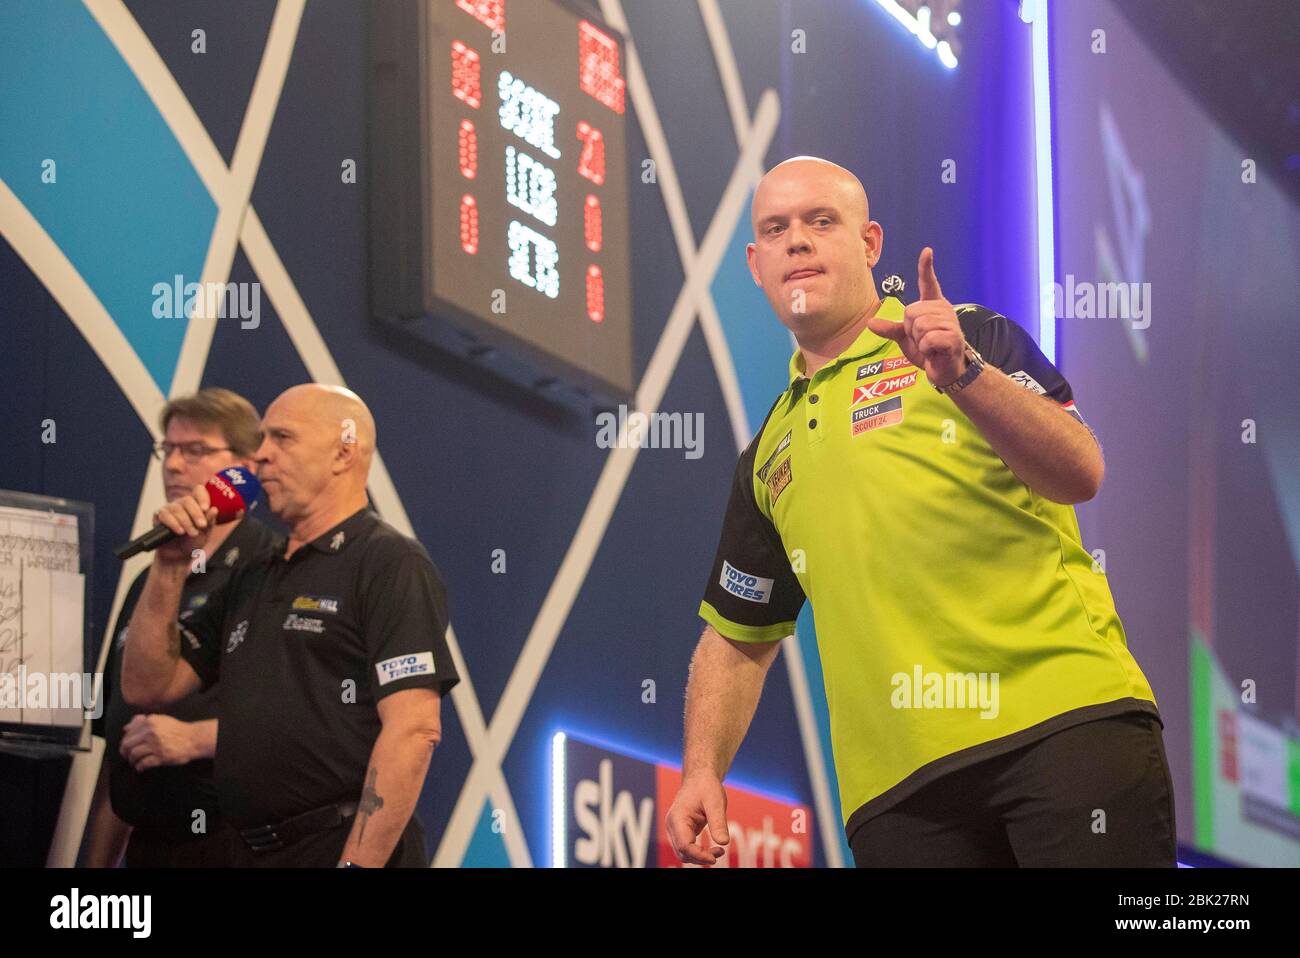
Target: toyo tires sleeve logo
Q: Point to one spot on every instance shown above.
(751, 588)
(404, 666)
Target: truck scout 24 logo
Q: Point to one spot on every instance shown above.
(611, 807)
(879, 414)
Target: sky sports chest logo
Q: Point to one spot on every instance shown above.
(751, 588)
(883, 387)
(883, 366)
(876, 415)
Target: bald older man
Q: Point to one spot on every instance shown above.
(332, 655)
(915, 482)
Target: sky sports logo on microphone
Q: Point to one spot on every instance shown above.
(232, 490)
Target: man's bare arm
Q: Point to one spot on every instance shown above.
(726, 681)
(153, 672)
(399, 761)
(1050, 450)
(725, 684)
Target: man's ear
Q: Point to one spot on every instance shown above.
(345, 453)
(751, 257)
(873, 238)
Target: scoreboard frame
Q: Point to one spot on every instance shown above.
(400, 141)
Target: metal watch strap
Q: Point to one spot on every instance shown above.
(975, 365)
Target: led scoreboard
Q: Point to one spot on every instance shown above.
(498, 187)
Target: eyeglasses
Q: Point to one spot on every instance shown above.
(192, 451)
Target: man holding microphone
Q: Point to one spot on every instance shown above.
(155, 799)
(331, 656)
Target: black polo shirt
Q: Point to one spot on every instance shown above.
(305, 648)
(167, 796)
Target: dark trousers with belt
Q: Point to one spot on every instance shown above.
(1098, 794)
(323, 849)
(178, 847)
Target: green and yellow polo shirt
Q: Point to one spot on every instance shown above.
(958, 614)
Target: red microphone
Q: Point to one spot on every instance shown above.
(233, 491)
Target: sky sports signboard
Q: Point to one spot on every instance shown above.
(608, 811)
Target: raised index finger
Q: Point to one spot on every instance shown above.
(927, 283)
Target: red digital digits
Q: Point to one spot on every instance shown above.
(591, 161)
(469, 224)
(465, 70)
(591, 223)
(490, 13)
(595, 294)
(467, 147)
(598, 70)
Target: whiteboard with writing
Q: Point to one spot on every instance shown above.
(44, 683)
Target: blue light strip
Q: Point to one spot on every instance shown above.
(1043, 178)
(559, 814)
(919, 27)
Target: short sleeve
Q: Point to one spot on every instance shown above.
(1009, 347)
(405, 608)
(752, 593)
(201, 632)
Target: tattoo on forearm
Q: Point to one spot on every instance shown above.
(370, 803)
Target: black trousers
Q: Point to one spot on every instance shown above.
(179, 848)
(323, 850)
(1096, 794)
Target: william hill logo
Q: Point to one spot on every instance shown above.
(315, 603)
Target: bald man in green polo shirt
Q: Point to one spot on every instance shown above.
(915, 482)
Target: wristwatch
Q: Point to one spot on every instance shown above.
(348, 864)
(975, 365)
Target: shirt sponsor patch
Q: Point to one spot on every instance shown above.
(779, 479)
(1022, 378)
(304, 623)
(780, 448)
(883, 366)
(876, 415)
(751, 588)
(883, 387)
(404, 666)
(315, 603)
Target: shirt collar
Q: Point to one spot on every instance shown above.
(891, 308)
(238, 544)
